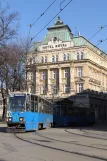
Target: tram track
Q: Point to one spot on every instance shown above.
(61, 150)
(72, 142)
(92, 133)
(83, 135)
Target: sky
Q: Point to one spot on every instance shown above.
(85, 16)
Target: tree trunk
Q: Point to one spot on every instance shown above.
(4, 103)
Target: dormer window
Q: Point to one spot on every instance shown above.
(55, 38)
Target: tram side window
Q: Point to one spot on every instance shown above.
(28, 103)
(34, 107)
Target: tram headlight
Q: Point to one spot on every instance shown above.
(21, 119)
(9, 118)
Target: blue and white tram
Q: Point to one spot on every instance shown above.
(28, 112)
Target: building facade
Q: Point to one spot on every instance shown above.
(87, 103)
(63, 65)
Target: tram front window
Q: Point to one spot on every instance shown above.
(17, 103)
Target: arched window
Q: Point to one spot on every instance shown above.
(78, 57)
(53, 58)
(56, 58)
(68, 56)
(42, 60)
(64, 57)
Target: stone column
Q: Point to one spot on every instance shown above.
(72, 88)
(37, 82)
(60, 81)
(49, 82)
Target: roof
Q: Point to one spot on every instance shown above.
(60, 31)
(81, 41)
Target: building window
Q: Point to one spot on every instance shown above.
(55, 74)
(55, 91)
(44, 75)
(33, 60)
(67, 88)
(82, 56)
(79, 72)
(45, 59)
(42, 60)
(56, 58)
(31, 76)
(78, 56)
(68, 57)
(53, 59)
(44, 89)
(64, 57)
(67, 73)
(80, 87)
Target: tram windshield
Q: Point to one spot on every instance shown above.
(17, 102)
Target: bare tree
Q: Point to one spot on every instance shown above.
(12, 71)
(8, 31)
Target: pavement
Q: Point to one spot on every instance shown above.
(59, 144)
(89, 142)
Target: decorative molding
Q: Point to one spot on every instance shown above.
(79, 80)
(94, 81)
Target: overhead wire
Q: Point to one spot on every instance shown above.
(101, 41)
(43, 13)
(62, 3)
(31, 25)
(51, 20)
(61, 9)
(101, 27)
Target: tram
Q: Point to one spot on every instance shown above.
(27, 112)
(64, 116)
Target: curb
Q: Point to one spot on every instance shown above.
(2, 122)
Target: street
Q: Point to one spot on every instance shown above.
(56, 144)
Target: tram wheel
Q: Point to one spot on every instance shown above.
(39, 127)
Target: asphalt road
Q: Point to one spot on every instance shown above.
(53, 145)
